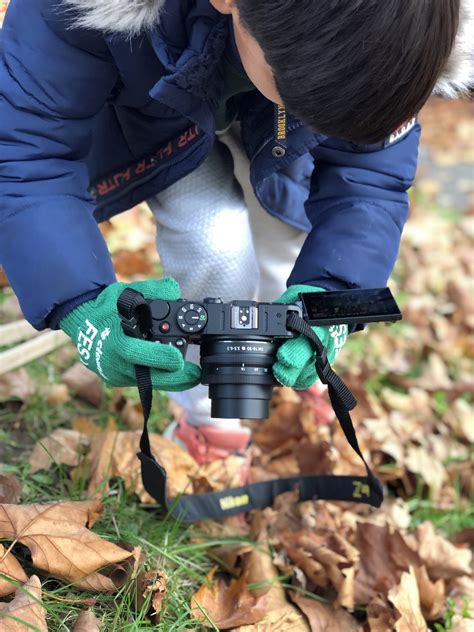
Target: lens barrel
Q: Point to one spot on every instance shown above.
(240, 377)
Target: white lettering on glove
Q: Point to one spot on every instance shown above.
(85, 341)
(339, 335)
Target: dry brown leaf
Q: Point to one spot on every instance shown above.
(10, 488)
(432, 594)
(114, 454)
(465, 536)
(10, 567)
(315, 458)
(60, 542)
(132, 413)
(323, 617)
(442, 559)
(26, 607)
(227, 605)
(85, 383)
(283, 619)
(57, 394)
(383, 555)
(62, 446)
(87, 622)
(419, 460)
(219, 474)
(406, 598)
(326, 559)
(154, 585)
(258, 568)
(381, 616)
(282, 427)
(16, 385)
(90, 429)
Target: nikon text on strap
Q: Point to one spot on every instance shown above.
(192, 507)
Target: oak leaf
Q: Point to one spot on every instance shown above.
(10, 569)
(406, 599)
(26, 610)
(442, 559)
(227, 605)
(380, 615)
(60, 542)
(323, 617)
(383, 556)
(432, 594)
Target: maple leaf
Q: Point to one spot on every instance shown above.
(406, 598)
(60, 542)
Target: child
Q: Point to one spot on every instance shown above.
(106, 103)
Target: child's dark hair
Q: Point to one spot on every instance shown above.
(355, 69)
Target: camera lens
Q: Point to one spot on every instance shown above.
(239, 375)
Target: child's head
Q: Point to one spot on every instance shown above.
(355, 69)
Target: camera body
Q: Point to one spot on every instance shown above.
(182, 322)
(239, 340)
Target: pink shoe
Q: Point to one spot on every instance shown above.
(209, 443)
(317, 396)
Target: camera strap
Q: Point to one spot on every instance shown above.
(192, 507)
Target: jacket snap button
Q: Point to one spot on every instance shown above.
(278, 152)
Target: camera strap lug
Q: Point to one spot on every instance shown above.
(134, 313)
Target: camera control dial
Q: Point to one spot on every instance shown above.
(191, 317)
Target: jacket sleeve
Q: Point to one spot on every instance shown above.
(53, 81)
(358, 205)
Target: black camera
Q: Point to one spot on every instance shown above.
(239, 340)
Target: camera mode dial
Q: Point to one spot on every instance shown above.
(191, 318)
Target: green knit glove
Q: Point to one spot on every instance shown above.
(96, 330)
(295, 365)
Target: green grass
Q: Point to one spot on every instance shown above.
(449, 521)
(167, 544)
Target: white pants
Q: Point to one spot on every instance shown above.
(215, 239)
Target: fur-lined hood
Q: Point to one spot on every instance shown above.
(133, 16)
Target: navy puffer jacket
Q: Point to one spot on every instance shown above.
(91, 124)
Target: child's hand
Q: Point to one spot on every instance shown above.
(295, 365)
(96, 330)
